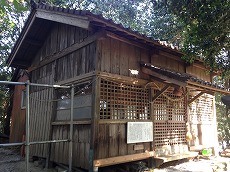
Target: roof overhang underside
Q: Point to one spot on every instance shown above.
(181, 79)
(39, 24)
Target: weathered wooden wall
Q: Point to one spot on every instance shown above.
(17, 128)
(112, 141)
(81, 145)
(166, 60)
(199, 71)
(117, 57)
(74, 64)
(43, 104)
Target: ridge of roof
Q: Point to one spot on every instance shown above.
(88, 13)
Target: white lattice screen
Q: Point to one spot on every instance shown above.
(201, 110)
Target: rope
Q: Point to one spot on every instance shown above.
(166, 96)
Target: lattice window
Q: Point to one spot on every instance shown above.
(169, 119)
(169, 107)
(123, 101)
(169, 134)
(201, 110)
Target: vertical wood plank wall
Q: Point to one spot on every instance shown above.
(199, 72)
(79, 62)
(167, 61)
(17, 128)
(118, 57)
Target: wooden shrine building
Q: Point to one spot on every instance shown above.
(135, 98)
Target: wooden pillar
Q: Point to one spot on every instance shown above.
(95, 118)
(216, 144)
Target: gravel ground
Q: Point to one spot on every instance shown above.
(11, 161)
(214, 164)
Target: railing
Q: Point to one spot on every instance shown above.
(27, 142)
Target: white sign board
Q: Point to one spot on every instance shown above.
(138, 132)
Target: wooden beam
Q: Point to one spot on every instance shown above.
(80, 78)
(123, 159)
(98, 24)
(122, 121)
(129, 41)
(63, 18)
(121, 78)
(196, 97)
(21, 38)
(162, 159)
(206, 87)
(67, 50)
(86, 122)
(162, 77)
(160, 92)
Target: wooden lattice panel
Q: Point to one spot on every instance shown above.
(201, 110)
(123, 101)
(169, 133)
(169, 114)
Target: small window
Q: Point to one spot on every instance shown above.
(23, 100)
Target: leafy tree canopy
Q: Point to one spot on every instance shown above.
(206, 26)
(11, 15)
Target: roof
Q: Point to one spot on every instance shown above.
(40, 22)
(182, 79)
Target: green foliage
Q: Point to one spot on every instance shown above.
(206, 26)
(223, 120)
(11, 15)
(223, 116)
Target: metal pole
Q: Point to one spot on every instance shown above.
(27, 124)
(12, 83)
(46, 85)
(32, 143)
(71, 130)
(12, 144)
(33, 84)
(51, 141)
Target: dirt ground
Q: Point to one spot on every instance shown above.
(11, 161)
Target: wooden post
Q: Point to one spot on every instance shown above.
(216, 144)
(152, 145)
(94, 125)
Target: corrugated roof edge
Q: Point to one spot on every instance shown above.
(109, 21)
(185, 76)
(93, 17)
